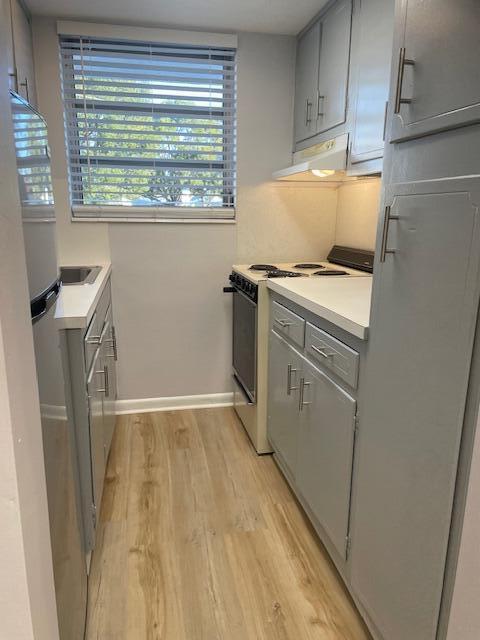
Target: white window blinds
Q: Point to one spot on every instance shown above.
(150, 128)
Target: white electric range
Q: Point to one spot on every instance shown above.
(251, 325)
(255, 273)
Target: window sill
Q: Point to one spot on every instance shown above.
(166, 216)
(134, 220)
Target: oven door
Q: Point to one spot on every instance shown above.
(245, 342)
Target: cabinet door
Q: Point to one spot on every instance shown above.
(23, 52)
(283, 384)
(331, 107)
(441, 38)
(9, 44)
(422, 325)
(306, 83)
(109, 356)
(96, 391)
(373, 35)
(324, 465)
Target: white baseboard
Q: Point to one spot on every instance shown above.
(148, 405)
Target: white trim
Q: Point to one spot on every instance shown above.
(146, 34)
(120, 218)
(153, 214)
(150, 405)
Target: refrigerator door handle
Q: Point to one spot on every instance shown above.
(42, 305)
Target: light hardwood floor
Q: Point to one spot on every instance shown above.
(201, 539)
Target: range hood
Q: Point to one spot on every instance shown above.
(325, 162)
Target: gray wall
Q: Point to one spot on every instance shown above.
(174, 334)
(173, 321)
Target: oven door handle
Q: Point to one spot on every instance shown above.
(229, 290)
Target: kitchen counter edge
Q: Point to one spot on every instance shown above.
(76, 303)
(322, 309)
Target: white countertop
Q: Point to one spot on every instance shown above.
(76, 303)
(343, 301)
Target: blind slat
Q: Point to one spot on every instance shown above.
(149, 126)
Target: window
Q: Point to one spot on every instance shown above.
(150, 128)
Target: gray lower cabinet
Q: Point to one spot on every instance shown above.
(436, 75)
(311, 427)
(109, 357)
(95, 392)
(285, 365)
(425, 301)
(325, 452)
(92, 354)
(372, 39)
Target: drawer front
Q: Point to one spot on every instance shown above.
(102, 306)
(91, 341)
(93, 335)
(288, 324)
(332, 354)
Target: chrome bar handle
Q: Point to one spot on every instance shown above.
(283, 323)
(322, 352)
(321, 113)
(14, 75)
(113, 343)
(104, 372)
(308, 112)
(25, 84)
(385, 121)
(386, 227)
(290, 370)
(301, 401)
(113, 333)
(402, 61)
(94, 340)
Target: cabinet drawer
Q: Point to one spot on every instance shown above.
(102, 307)
(95, 329)
(91, 342)
(332, 354)
(288, 324)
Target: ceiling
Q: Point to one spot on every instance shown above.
(263, 16)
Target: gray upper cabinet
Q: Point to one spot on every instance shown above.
(436, 74)
(21, 65)
(425, 298)
(331, 108)
(371, 61)
(306, 83)
(324, 468)
(322, 71)
(283, 386)
(12, 77)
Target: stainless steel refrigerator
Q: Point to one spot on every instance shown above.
(59, 450)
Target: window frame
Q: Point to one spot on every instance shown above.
(161, 213)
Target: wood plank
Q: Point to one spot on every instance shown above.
(201, 539)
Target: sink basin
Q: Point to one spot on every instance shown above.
(79, 275)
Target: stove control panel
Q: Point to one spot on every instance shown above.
(245, 286)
